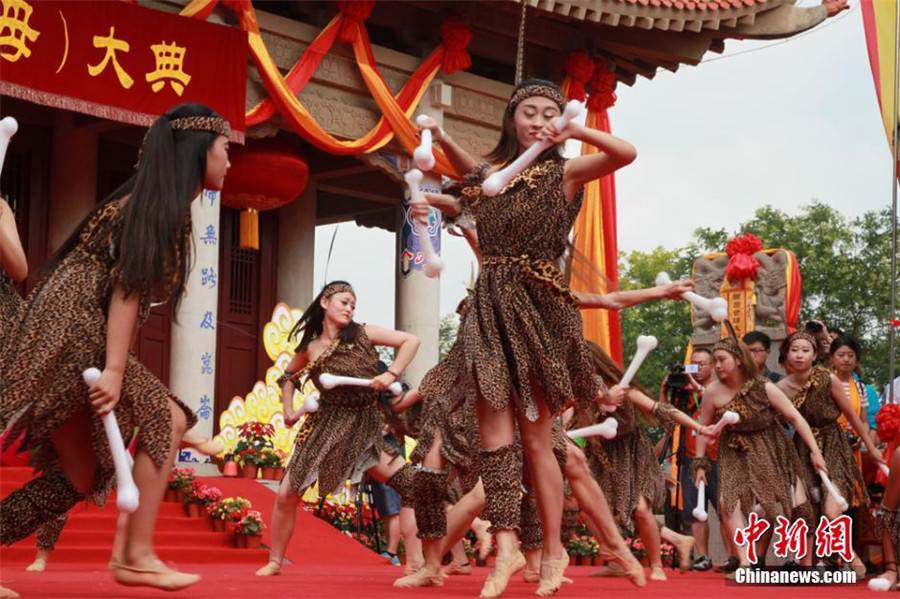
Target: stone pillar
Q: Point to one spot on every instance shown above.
(192, 368)
(296, 248)
(73, 171)
(417, 302)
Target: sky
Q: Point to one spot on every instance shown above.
(769, 122)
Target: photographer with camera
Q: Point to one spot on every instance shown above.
(683, 387)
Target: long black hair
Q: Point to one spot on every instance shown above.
(507, 147)
(312, 322)
(153, 249)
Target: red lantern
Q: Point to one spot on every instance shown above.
(264, 175)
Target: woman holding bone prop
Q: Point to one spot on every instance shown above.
(626, 468)
(521, 231)
(757, 462)
(819, 396)
(130, 250)
(342, 437)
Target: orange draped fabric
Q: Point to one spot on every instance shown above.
(282, 90)
(596, 239)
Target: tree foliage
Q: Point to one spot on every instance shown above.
(844, 264)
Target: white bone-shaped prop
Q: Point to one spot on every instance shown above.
(700, 511)
(8, 128)
(606, 429)
(424, 154)
(832, 490)
(310, 404)
(879, 585)
(884, 468)
(645, 345)
(501, 178)
(433, 263)
(716, 307)
(727, 419)
(330, 381)
(127, 495)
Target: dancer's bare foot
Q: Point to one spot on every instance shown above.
(7, 593)
(632, 568)
(40, 561)
(504, 568)
(424, 577)
(454, 569)
(610, 570)
(657, 573)
(412, 568)
(552, 576)
(531, 575)
(683, 547)
(153, 573)
(272, 568)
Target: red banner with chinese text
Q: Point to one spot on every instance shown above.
(121, 62)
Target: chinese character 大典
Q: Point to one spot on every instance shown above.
(791, 538)
(169, 66)
(206, 367)
(15, 32)
(834, 537)
(207, 322)
(205, 411)
(112, 46)
(209, 237)
(748, 536)
(208, 277)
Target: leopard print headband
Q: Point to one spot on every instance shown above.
(337, 288)
(212, 124)
(801, 335)
(730, 345)
(544, 91)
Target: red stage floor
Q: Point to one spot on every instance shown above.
(313, 581)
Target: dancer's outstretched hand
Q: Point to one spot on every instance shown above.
(615, 396)
(676, 289)
(709, 431)
(105, 394)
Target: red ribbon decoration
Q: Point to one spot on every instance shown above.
(603, 87)
(355, 12)
(742, 265)
(455, 37)
(579, 67)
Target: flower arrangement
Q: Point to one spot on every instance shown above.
(636, 546)
(202, 494)
(181, 478)
(254, 438)
(223, 507)
(271, 457)
(667, 553)
(582, 546)
(246, 522)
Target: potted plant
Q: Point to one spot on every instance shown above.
(254, 437)
(248, 529)
(270, 459)
(221, 511)
(201, 497)
(179, 480)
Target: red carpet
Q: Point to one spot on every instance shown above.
(326, 564)
(374, 582)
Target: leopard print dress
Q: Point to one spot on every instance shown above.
(342, 439)
(525, 327)
(757, 462)
(626, 467)
(60, 333)
(814, 402)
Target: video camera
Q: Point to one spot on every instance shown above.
(678, 378)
